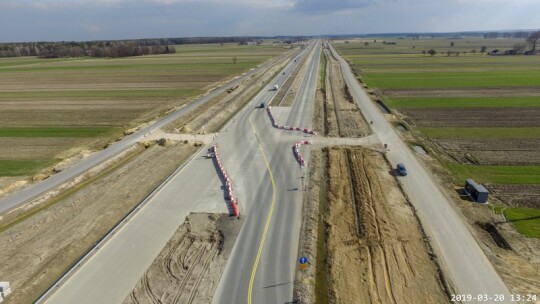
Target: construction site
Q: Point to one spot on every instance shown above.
(317, 210)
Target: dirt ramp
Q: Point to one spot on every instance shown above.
(188, 269)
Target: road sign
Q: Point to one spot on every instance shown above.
(303, 260)
(303, 266)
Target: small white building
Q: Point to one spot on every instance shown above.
(4, 290)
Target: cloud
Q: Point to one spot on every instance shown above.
(94, 29)
(329, 6)
(37, 20)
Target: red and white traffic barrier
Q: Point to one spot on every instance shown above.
(277, 126)
(228, 184)
(297, 154)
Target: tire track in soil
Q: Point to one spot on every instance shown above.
(148, 291)
(206, 264)
(366, 179)
(180, 288)
(194, 254)
(168, 260)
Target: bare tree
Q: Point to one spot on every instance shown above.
(473, 51)
(519, 47)
(483, 49)
(432, 52)
(533, 39)
(424, 52)
(452, 44)
(366, 43)
(235, 59)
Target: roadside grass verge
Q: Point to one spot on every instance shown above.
(525, 220)
(22, 167)
(468, 133)
(496, 174)
(464, 102)
(56, 132)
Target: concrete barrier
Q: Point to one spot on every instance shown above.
(277, 126)
(228, 184)
(297, 154)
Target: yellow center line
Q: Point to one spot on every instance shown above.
(268, 219)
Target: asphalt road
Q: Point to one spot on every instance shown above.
(462, 258)
(262, 265)
(36, 190)
(111, 272)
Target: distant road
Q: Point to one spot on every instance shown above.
(462, 258)
(38, 189)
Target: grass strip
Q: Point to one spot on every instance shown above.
(526, 220)
(469, 102)
(496, 174)
(518, 133)
(22, 167)
(55, 132)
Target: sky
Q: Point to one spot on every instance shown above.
(66, 20)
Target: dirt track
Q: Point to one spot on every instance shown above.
(188, 269)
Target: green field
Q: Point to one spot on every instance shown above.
(444, 79)
(463, 102)
(22, 167)
(93, 99)
(55, 132)
(472, 133)
(526, 220)
(496, 174)
(414, 84)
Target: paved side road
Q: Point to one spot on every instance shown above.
(463, 260)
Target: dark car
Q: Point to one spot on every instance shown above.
(261, 105)
(401, 169)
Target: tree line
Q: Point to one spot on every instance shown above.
(112, 49)
(495, 35)
(107, 48)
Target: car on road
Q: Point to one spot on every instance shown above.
(261, 105)
(401, 169)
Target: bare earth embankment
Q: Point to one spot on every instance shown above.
(370, 247)
(188, 269)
